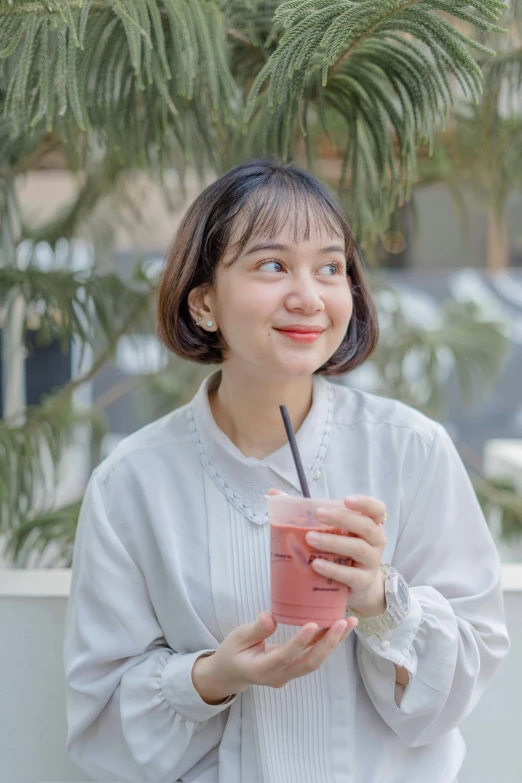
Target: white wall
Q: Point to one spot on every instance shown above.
(32, 712)
(32, 715)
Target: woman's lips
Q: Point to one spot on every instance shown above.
(300, 337)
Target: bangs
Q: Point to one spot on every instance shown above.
(285, 203)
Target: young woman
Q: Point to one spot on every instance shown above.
(175, 668)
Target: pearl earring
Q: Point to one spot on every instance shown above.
(209, 323)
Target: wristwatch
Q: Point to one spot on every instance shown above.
(397, 605)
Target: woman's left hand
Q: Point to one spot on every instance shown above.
(361, 538)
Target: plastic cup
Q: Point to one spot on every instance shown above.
(299, 594)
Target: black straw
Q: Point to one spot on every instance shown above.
(295, 451)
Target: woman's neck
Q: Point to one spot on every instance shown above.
(246, 409)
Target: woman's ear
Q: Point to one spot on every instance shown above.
(199, 302)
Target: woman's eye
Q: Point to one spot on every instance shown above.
(277, 263)
(333, 266)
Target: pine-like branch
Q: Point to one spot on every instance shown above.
(388, 70)
(77, 68)
(385, 69)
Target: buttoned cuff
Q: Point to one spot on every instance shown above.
(396, 645)
(179, 690)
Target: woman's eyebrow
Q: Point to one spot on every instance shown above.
(269, 246)
(332, 249)
(277, 246)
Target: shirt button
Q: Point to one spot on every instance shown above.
(317, 475)
(384, 646)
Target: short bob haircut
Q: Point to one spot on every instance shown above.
(268, 194)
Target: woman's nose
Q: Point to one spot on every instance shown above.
(305, 296)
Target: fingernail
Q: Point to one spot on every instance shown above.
(313, 538)
(320, 565)
(323, 513)
(353, 500)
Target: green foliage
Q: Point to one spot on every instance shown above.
(413, 364)
(66, 304)
(479, 152)
(34, 538)
(115, 86)
(94, 309)
(413, 361)
(183, 74)
(499, 494)
(385, 68)
(78, 68)
(30, 454)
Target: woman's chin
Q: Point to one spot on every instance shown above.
(300, 367)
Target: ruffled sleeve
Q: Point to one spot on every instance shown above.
(132, 710)
(454, 637)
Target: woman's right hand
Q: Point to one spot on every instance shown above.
(243, 658)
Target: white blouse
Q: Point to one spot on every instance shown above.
(172, 554)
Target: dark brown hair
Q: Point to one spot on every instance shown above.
(268, 194)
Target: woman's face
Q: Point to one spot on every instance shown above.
(276, 284)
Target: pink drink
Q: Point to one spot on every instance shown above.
(299, 594)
